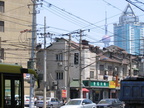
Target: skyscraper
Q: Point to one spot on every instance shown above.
(129, 32)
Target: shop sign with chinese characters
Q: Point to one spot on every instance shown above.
(99, 84)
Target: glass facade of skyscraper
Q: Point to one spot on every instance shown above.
(129, 33)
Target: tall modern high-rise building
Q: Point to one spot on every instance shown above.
(129, 32)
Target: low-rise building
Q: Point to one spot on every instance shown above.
(99, 69)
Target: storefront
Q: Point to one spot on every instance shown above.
(95, 90)
(114, 91)
(98, 89)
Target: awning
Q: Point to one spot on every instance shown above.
(136, 69)
(85, 90)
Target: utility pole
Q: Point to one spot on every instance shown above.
(32, 53)
(68, 71)
(0, 42)
(45, 54)
(80, 68)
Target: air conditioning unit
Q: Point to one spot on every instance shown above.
(54, 83)
(60, 63)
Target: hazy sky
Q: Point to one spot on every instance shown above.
(65, 16)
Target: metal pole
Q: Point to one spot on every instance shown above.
(68, 71)
(44, 75)
(32, 53)
(80, 69)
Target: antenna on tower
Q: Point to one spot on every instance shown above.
(106, 39)
(106, 23)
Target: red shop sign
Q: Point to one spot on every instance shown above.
(64, 93)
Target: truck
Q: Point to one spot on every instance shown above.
(132, 92)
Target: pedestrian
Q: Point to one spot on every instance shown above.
(64, 101)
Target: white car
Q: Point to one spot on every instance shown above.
(27, 100)
(50, 102)
(79, 103)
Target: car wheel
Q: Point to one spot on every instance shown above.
(51, 106)
(121, 106)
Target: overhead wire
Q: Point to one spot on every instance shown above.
(8, 16)
(68, 13)
(102, 28)
(14, 22)
(71, 15)
(66, 17)
(20, 47)
(76, 16)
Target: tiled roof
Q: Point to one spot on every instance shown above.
(107, 59)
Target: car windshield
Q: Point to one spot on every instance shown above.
(74, 102)
(105, 102)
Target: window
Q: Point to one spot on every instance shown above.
(59, 57)
(56, 100)
(52, 100)
(0, 92)
(135, 72)
(87, 101)
(2, 53)
(101, 69)
(2, 6)
(110, 70)
(1, 26)
(91, 74)
(59, 75)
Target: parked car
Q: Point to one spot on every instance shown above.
(27, 100)
(79, 103)
(39, 97)
(50, 102)
(110, 103)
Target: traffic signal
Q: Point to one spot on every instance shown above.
(76, 58)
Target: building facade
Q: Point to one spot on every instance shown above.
(15, 32)
(15, 26)
(101, 70)
(129, 32)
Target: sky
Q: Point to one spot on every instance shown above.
(67, 16)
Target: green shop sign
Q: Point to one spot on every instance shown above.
(96, 83)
